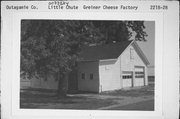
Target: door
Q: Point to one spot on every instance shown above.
(72, 81)
(127, 79)
(139, 76)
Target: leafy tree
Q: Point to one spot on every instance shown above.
(53, 46)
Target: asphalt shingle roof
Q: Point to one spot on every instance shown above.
(107, 51)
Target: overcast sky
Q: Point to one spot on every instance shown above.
(148, 47)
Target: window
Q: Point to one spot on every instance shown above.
(45, 78)
(131, 53)
(91, 76)
(139, 74)
(83, 76)
(106, 67)
(127, 75)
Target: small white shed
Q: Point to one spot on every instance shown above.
(112, 67)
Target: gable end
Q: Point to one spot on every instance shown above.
(140, 53)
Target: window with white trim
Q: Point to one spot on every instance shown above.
(139, 74)
(91, 76)
(131, 53)
(83, 76)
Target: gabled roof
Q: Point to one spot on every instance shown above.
(101, 52)
(110, 51)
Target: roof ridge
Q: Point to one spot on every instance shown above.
(112, 43)
(105, 51)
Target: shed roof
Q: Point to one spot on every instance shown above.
(101, 52)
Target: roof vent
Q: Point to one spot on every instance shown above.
(114, 41)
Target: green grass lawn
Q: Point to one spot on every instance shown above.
(44, 99)
(32, 100)
(132, 92)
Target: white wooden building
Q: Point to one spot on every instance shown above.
(112, 67)
(103, 68)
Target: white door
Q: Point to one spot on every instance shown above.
(139, 76)
(127, 79)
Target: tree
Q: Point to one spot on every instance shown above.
(53, 47)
